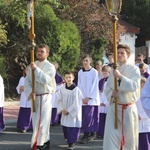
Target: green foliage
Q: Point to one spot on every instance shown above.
(62, 37)
(15, 10)
(3, 67)
(91, 18)
(3, 35)
(97, 48)
(137, 12)
(68, 51)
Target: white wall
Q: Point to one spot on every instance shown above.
(129, 39)
(148, 48)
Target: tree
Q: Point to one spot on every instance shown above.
(62, 37)
(91, 18)
(137, 12)
(3, 33)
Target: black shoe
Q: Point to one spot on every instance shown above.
(23, 131)
(84, 139)
(41, 147)
(47, 144)
(98, 136)
(3, 128)
(92, 136)
(71, 146)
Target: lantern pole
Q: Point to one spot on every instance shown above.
(30, 19)
(114, 8)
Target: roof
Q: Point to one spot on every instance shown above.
(124, 26)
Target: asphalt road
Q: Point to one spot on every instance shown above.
(12, 139)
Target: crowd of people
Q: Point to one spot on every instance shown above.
(88, 106)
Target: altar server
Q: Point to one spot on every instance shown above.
(24, 121)
(104, 102)
(88, 84)
(144, 124)
(145, 96)
(55, 118)
(69, 103)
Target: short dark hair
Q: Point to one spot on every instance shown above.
(86, 56)
(141, 65)
(140, 55)
(69, 72)
(105, 68)
(44, 46)
(124, 46)
(110, 54)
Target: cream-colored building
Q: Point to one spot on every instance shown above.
(127, 35)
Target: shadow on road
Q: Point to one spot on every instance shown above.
(12, 139)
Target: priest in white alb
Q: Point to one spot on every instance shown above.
(128, 76)
(44, 87)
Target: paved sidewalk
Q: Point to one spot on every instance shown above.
(11, 110)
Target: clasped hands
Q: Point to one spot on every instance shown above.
(65, 112)
(85, 100)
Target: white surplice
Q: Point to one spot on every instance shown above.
(2, 95)
(145, 96)
(55, 95)
(71, 100)
(129, 92)
(103, 98)
(144, 122)
(23, 100)
(44, 83)
(88, 84)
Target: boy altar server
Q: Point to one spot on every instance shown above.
(55, 118)
(145, 96)
(144, 124)
(88, 84)
(104, 102)
(24, 121)
(69, 103)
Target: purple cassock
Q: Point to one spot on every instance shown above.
(88, 84)
(146, 75)
(2, 122)
(101, 84)
(102, 116)
(71, 134)
(90, 122)
(24, 121)
(58, 78)
(55, 118)
(110, 65)
(144, 141)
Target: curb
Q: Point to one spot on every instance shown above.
(9, 104)
(13, 103)
(10, 121)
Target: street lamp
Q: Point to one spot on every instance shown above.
(114, 8)
(30, 20)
